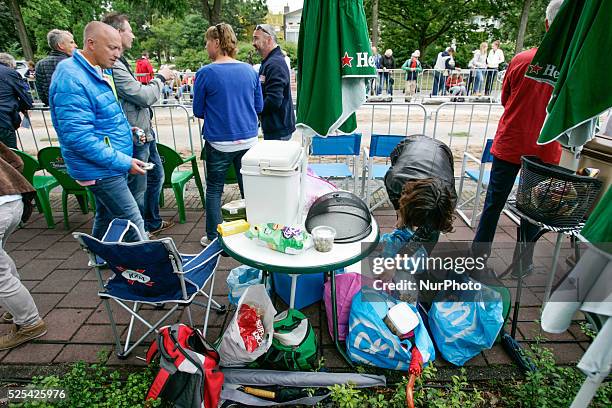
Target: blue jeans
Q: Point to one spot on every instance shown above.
(217, 164)
(147, 188)
(503, 174)
(115, 200)
(438, 84)
(478, 80)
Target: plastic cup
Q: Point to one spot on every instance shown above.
(323, 237)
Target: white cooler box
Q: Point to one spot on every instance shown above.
(271, 179)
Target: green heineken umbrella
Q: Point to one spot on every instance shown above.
(334, 57)
(575, 58)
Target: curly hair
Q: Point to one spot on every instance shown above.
(427, 202)
(226, 36)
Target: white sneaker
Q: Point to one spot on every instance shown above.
(204, 241)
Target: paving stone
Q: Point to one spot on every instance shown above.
(33, 353)
(531, 330)
(40, 242)
(45, 302)
(476, 361)
(99, 316)
(38, 269)
(530, 313)
(497, 355)
(461, 234)
(83, 295)
(132, 360)
(178, 229)
(96, 333)
(81, 352)
(60, 250)
(23, 257)
(91, 275)
(578, 333)
(63, 323)
(528, 298)
(11, 246)
(78, 260)
(60, 281)
(566, 353)
(502, 236)
(25, 235)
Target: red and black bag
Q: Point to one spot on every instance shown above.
(189, 374)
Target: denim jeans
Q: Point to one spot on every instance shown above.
(115, 200)
(438, 84)
(147, 188)
(8, 137)
(478, 80)
(502, 178)
(491, 76)
(14, 297)
(217, 164)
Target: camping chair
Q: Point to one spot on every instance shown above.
(341, 145)
(177, 179)
(51, 160)
(149, 272)
(42, 183)
(481, 176)
(380, 146)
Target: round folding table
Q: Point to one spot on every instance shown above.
(248, 252)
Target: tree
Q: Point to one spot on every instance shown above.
(21, 29)
(413, 24)
(374, 23)
(212, 12)
(520, 37)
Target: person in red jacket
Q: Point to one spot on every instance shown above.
(524, 102)
(144, 69)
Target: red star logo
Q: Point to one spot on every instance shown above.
(535, 68)
(346, 60)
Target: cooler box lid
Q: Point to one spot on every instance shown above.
(272, 157)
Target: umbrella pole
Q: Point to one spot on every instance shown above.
(306, 143)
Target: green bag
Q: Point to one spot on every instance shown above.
(294, 347)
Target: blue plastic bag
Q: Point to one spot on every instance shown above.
(462, 329)
(371, 342)
(239, 279)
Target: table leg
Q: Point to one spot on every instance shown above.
(293, 289)
(553, 270)
(335, 320)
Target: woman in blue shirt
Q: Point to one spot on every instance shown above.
(227, 95)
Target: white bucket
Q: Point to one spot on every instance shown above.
(271, 179)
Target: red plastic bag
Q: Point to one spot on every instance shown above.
(251, 327)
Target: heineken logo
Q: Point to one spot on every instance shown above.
(363, 60)
(549, 71)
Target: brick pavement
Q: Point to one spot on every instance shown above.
(55, 271)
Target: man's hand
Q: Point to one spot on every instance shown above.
(166, 72)
(137, 167)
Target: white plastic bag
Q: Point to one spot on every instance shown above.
(232, 350)
(315, 187)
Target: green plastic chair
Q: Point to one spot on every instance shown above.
(43, 185)
(50, 159)
(177, 179)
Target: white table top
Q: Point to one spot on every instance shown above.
(247, 251)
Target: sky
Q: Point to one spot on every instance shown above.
(276, 6)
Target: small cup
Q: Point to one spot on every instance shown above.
(323, 237)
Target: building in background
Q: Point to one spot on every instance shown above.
(292, 24)
(276, 21)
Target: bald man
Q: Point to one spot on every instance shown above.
(94, 135)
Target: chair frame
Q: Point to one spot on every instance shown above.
(486, 158)
(367, 175)
(348, 152)
(175, 259)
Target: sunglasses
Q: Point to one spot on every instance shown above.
(262, 28)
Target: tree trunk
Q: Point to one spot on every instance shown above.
(212, 13)
(374, 23)
(21, 30)
(520, 37)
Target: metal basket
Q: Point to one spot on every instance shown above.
(554, 195)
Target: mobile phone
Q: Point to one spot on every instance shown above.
(148, 166)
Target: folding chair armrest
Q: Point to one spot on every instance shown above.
(470, 156)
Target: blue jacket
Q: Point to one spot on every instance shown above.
(277, 116)
(93, 132)
(14, 98)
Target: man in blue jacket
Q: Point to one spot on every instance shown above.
(14, 98)
(94, 134)
(277, 117)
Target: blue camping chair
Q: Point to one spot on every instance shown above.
(149, 272)
(341, 145)
(481, 176)
(380, 146)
